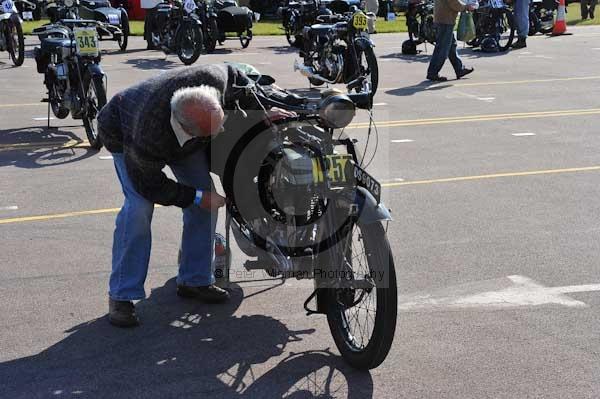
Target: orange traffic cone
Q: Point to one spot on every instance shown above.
(560, 25)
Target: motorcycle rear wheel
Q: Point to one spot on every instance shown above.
(245, 39)
(95, 99)
(380, 305)
(507, 22)
(16, 43)
(190, 44)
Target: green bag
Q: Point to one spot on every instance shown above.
(466, 27)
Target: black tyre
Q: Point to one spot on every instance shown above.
(363, 321)
(293, 39)
(212, 33)
(367, 65)
(95, 99)
(55, 93)
(190, 43)
(246, 39)
(124, 39)
(16, 43)
(506, 29)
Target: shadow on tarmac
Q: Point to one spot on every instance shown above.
(425, 85)
(49, 147)
(183, 349)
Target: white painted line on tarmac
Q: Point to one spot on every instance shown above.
(486, 99)
(43, 118)
(523, 134)
(9, 208)
(379, 104)
(403, 141)
(105, 157)
(510, 292)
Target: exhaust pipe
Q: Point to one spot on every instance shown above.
(309, 72)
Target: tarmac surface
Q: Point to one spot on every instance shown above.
(493, 181)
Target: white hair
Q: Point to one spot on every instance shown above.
(204, 97)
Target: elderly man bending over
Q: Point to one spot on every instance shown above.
(166, 120)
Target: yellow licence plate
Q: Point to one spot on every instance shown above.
(359, 21)
(339, 169)
(86, 41)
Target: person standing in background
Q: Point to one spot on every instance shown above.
(444, 18)
(522, 20)
(150, 7)
(587, 8)
(372, 6)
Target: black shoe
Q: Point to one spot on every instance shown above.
(122, 313)
(520, 43)
(208, 293)
(437, 78)
(464, 72)
(591, 15)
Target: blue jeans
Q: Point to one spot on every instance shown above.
(133, 237)
(522, 18)
(445, 47)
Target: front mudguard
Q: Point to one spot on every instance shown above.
(369, 210)
(95, 70)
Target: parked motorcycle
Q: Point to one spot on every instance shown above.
(116, 20)
(338, 50)
(11, 32)
(210, 29)
(302, 205)
(494, 26)
(62, 9)
(419, 22)
(541, 16)
(69, 58)
(177, 29)
(295, 16)
(231, 18)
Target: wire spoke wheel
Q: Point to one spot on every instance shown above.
(190, 44)
(95, 99)
(367, 66)
(362, 311)
(506, 29)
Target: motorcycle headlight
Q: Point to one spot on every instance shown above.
(337, 111)
(69, 3)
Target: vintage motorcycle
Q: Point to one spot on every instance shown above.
(419, 21)
(231, 18)
(339, 50)
(541, 16)
(69, 58)
(494, 26)
(62, 9)
(295, 16)
(116, 20)
(302, 204)
(177, 29)
(208, 17)
(11, 32)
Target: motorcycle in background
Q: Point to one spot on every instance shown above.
(210, 29)
(11, 32)
(494, 26)
(62, 9)
(295, 16)
(419, 22)
(177, 29)
(115, 20)
(541, 16)
(69, 59)
(339, 50)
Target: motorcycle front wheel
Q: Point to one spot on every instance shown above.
(245, 39)
(190, 43)
(363, 321)
(55, 94)
(212, 32)
(95, 99)
(16, 42)
(367, 66)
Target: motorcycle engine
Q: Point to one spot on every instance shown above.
(331, 60)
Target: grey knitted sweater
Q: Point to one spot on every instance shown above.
(136, 122)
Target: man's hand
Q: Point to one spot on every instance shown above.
(275, 114)
(211, 201)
